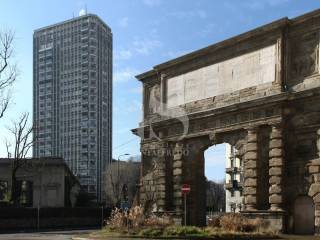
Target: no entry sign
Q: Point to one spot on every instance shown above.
(185, 188)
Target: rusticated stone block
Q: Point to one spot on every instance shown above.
(275, 171)
(149, 182)
(251, 155)
(276, 152)
(252, 147)
(147, 177)
(161, 202)
(275, 189)
(161, 187)
(317, 221)
(250, 173)
(250, 182)
(177, 171)
(252, 138)
(161, 174)
(177, 164)
(314, 189)
(316, 199)
(161, 194)
(317, 213)
(315, 162)
(276, 143)
(161, 180)
(250, 164)
(275, 180)
(313, 169)
(316, 177)
(250, 199)
(276, 134)
(275, 199)
(276, 162)
(249, 191)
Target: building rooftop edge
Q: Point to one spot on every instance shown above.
(71, 20)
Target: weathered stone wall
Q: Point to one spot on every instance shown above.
(244, 71)
(303, 54)
(273, 123)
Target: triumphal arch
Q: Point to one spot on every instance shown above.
(258, 91)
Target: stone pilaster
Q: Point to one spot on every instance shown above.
(163, 92)
(153, 180)
(313, 168)
(177, 177)
(160, 174)
(276, 163)
(250, 170)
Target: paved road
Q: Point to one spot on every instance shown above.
(64, 235)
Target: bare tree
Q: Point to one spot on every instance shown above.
(129, 175)
(18, 150)
(8, 70)
(216, 196)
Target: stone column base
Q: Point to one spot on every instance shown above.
(273, 220)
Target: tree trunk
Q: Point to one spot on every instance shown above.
(14, 188)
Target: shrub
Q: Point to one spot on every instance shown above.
(117, 219)
(155, 221)
(134, 219)
(136, 216)
(214, 222)
(231, 222)
(238, 223)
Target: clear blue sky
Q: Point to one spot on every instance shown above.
(146, 33)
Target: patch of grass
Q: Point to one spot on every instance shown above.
(180, 231)
(184, 231)
(151, 232)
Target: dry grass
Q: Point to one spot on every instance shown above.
(236, 222)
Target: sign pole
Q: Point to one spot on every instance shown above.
(185, 209)
(185, 190)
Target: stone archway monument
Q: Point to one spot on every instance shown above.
(260, 92)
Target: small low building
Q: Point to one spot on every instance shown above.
(41, 182)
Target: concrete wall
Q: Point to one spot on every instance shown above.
(48, 183)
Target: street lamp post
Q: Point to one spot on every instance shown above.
(118, 193)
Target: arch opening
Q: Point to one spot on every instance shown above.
(224, 180)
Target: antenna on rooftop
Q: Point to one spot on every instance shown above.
(83, 12)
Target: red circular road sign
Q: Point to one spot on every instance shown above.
(185, 188)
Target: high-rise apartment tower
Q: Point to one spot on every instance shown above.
(72, 96)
